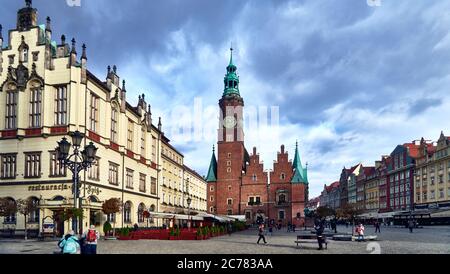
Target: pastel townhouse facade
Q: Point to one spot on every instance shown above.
(432, 176)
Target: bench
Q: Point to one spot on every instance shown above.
(306, 239)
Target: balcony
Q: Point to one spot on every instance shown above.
(282, 204)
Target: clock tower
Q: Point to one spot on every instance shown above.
(230, 148)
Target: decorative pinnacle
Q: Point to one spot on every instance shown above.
(63, 39)
(47, 26)
(214, 148)
(115, 69)
(28, 3)
(1, 28)
(73, 46)
(84, 56)
(123, 85)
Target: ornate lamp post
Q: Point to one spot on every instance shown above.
(76, 162)
(189, 201)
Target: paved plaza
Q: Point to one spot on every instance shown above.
(392, 240)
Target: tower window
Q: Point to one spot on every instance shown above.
(254, 177)
(229, 170)
(282, 176)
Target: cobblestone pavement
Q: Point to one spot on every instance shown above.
(428, 240)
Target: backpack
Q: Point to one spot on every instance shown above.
(91, 236)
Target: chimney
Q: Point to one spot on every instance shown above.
(160, 125)
(83, 66)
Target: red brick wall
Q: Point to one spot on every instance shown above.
(251, 188)
(228, 183)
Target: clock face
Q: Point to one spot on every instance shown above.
(229, 122)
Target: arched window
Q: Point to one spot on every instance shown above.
(282, 176)
(127, 212)
(11, 110)
(152, 208)
(254, 178)
(34, 215)
(141, 210)
(114, 119)
(281, 199)
(10, 206)
(35, 108)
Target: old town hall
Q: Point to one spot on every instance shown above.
(237, 182)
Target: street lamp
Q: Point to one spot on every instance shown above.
(189, 200)
(76, 162)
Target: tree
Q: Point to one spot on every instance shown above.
(7, 207)
(349, 212)
(25, 207)
(112, 206)
(324, 211)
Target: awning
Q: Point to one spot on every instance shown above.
(441, 214)
(160, 215)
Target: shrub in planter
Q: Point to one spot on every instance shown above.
(199, 234)
(174, 234)
(107, 228)
(206, 232)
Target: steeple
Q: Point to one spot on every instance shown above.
(212, 171)
(300, 174)
(231, 80)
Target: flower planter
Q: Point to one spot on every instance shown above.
(174, 238)
(125, 238)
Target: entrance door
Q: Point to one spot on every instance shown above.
(59, 223)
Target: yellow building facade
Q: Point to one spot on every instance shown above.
(46, 93)
(432, 175)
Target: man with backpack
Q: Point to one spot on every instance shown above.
(91, 238)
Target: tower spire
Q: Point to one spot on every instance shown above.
(300, 174)
(212, 171)
(231, 80)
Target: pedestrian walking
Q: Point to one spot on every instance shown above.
(271, 230)
(91, 240)
(69, 244)
(377, 227)
(360, 232)
(319, 227)
(411, 225)
(261, 234)
(230, 228)
(289, 227)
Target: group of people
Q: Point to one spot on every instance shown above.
(86, 244)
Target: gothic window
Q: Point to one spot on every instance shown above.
(281, 199)
(56, 169)
(153, 186)
(114, 127)
(127, 212)
(230, 212)
(10, 219)
(33, 165)
(129, 178)
(142, 179)
(11, 110)
(143, 132)
(229, 170)
(254, 177)
(229, 201)
(8, 166)
(282, 176)
(34, 215)
(130, 135)
(141, 209)
(93, 115)
(35, 108)
(61, 106)
(94, 171)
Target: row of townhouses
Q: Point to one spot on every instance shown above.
(414, 177)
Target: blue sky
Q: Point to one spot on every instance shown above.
(351, 80)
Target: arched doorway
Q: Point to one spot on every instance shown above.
(140, 213)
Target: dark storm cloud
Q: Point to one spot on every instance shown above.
(421, 105)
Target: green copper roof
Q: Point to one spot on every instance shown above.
(231, 80)
(300, 174)
(212, 171)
